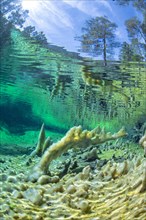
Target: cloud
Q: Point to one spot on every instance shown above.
(105, 3)
(51, 12)
(92, 8)
(84, 6)
(57, 13)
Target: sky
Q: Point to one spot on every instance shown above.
(62, 20)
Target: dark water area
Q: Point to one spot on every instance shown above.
(41, 86)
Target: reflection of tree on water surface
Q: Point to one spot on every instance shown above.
(104, 85)
(62, 81)
(115, 91)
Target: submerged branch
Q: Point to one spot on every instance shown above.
(74, 138)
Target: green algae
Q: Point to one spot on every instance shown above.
(108, 154)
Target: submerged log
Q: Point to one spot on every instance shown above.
(74, 138)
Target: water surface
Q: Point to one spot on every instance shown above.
(42, 86)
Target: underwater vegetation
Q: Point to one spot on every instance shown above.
(77, 185)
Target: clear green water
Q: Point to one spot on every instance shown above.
(38, 85)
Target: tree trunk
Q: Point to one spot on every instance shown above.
(104, 51)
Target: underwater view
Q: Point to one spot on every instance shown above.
(72, 110)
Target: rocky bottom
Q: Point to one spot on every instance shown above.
(116, 191)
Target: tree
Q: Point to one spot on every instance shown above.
(39, 37)
(137, 33)
(98, 37)
(138, 4)
(11, 15)
(136, 27)
(128, 53)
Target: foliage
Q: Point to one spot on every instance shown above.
(138, 4)
(11, 14)
(136, 28)
(31, 32)
(127, 53)
(98, 37)
(137, 32)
